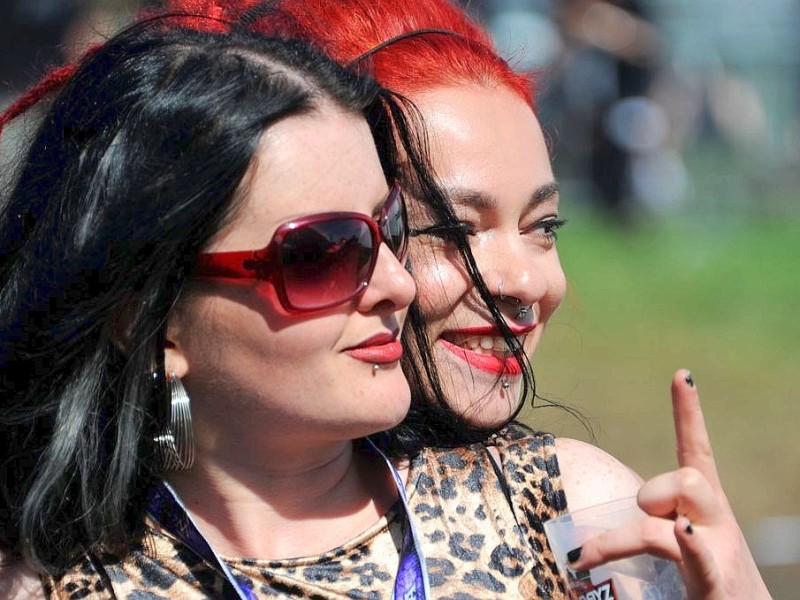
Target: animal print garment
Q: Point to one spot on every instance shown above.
(476, 543)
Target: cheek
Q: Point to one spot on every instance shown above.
(556, 287)
(230, 318)
(441, 283)
(268, 303)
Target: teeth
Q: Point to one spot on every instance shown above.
(486, 343)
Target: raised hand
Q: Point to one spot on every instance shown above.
(690, 519)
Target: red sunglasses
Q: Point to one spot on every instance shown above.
(318, 261)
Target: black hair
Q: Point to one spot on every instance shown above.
(135, 166)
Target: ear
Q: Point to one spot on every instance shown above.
(175, 358)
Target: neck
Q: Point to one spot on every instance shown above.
(310, 504)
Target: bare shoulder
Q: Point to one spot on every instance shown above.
(18, 582)
(591, 476)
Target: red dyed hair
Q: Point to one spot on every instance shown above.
(349, 29)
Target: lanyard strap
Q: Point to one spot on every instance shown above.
(411, 582)
(166, 508)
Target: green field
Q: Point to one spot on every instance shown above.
(719, 299)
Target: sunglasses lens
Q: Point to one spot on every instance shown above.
(326, 263)
(394, 225)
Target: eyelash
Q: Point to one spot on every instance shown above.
(551, 227)
(444, 231)
(452, 232)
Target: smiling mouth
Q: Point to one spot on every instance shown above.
(485, 350)
(490, 345)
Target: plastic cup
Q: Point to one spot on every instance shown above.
(641, 577)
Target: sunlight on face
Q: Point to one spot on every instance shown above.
(259, 377)
(491, 159)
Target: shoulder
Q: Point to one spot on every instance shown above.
(591, 475)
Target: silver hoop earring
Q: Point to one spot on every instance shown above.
(175, 445)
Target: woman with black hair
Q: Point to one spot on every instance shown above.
(203, 289)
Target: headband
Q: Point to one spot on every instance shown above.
(255, 13)
(400, 38)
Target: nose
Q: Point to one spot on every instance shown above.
(391, 287)
(515, 272)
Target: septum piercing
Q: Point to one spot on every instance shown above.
(522, 310)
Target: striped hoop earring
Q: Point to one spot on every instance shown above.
(175, 445)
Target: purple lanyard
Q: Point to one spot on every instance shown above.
(411, 582)
(166, 508)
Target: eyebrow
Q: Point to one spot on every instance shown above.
(479, 200)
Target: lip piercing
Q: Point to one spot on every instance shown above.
(504, 384)
(375, 368)
(523, 310)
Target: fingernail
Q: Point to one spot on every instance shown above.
(690, 379)
(689, 529)
(574, 554)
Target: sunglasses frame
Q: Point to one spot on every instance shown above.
(264, 264)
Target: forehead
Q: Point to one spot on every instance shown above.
(482, 127)
(321, 161)
(487, 144)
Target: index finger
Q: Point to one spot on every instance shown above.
(693, 444)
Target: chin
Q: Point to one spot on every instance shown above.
(392, 401)
(489, 411)
(477, 396)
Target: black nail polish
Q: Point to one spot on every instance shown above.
(574, 554)
(689, 529)
(690, 379)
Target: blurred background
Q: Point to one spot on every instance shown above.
(675, 132)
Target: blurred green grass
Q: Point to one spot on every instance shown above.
(720, 298)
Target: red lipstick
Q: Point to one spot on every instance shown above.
(486, 362)
(379, 349)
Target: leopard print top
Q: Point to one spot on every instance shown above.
(482, 537)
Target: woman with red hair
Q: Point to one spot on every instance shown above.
(491, 159)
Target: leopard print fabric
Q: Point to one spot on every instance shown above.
(479, 541)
